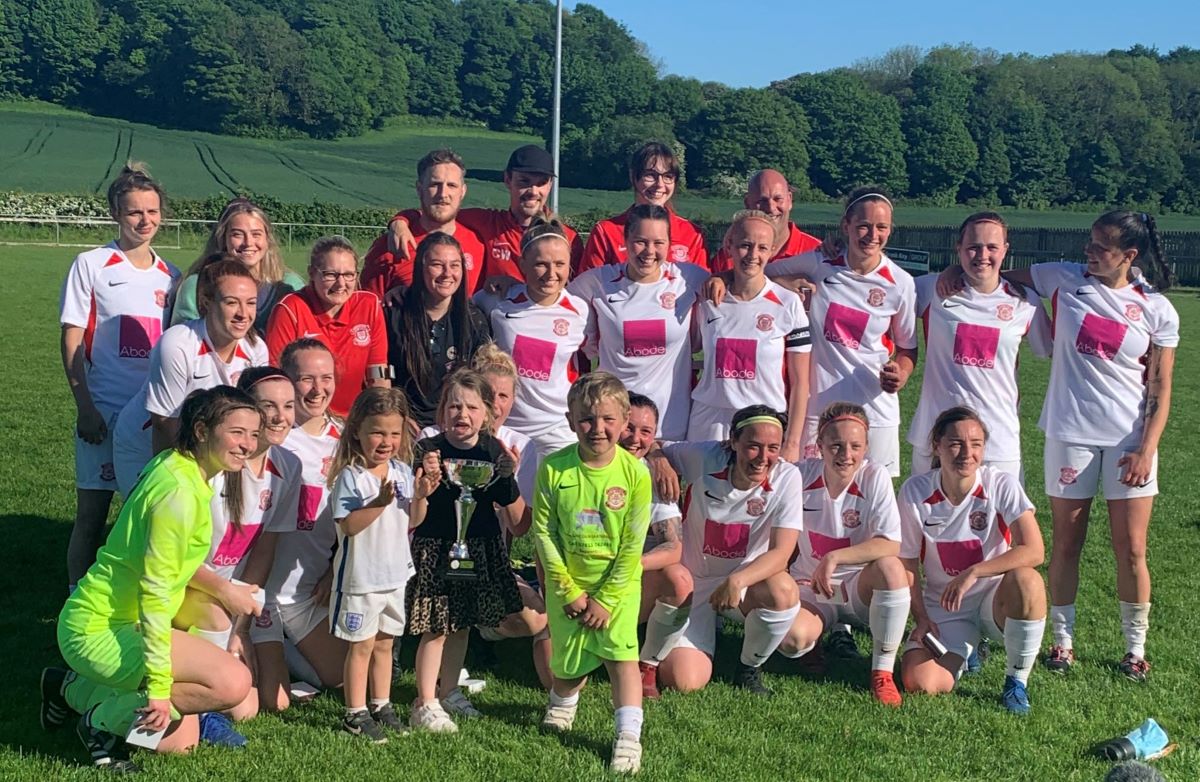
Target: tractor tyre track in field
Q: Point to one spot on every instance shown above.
(291, 164)
(209, 167)
(38, 139)
(217, 163)
(112, 162)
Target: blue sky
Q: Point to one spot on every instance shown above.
(747, 43)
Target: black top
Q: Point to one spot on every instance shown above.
(443, 356)
(440, 519)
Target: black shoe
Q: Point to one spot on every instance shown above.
(385, 716)
(841, 646)
(748, 678)
(360, 724)
(108, 752)
(55, 709)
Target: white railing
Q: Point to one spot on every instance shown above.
(284, 231)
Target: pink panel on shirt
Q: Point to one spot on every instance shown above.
(845, 325)
(975, 346)
(958, 555)
(645, 338)
(727, 541)
(736, 358)
(534, 357)
(823, 544)
(235, 544)
(1100, 337)
(137, 334)
(310, 502)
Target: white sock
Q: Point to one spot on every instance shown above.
(1135, 621)
(1022, 640)
(378, 703)
(1062, 625)
(664, 628)
(298, 665)
(629, 720)
(765, 630)
(218, 638)
(352, 710)
(888, 615)
(563, 700)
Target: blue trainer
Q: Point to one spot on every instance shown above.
(1014, 696)
(217, 729)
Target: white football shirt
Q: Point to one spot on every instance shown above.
(744, 345)
(122, 310)
(1102, 338)
(543, 342)
(971, 345)
(378, 559)
(858, 320)
(641, 333)
(724, 527)
(269, 504)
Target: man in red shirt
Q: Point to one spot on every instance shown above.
(441, 187)
(529, 177)
(653, 172)
(768, 191)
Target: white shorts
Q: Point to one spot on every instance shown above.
(853, 611)
(547, 443)
(709, 423)
(921, 463)
(700, 632)
(960, 631)
(294, 620)
(94, 467)
(359, 617)
(1077, 472)
(130, 456)
(883, 445)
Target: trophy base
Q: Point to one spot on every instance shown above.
(461, 570)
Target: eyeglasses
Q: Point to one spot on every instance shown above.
(667, 177)
(332, 277)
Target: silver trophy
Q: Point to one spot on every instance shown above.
(467, 475)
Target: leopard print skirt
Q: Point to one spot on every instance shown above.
(436, 604)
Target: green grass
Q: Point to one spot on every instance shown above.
(813, 730)
(46, 148)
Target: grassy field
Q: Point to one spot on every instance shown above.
(45, 148)
(815, 729)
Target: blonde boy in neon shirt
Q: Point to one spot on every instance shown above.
(591, 512)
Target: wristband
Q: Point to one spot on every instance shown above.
(382, 372)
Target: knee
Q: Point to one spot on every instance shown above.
(892, 573)
(928, 678)
(782, 592)
(679, 582)
(232, 685)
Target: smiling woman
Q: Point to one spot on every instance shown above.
(332, 309)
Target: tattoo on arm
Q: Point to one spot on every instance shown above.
(1153, 382)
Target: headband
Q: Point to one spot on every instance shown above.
(278, 374)
(865, 196)
(844, 417)
(758, 419)
(542, 228)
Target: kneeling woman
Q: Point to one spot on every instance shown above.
(973, 532)
(740, 527)
(848, 569)
(127, 664)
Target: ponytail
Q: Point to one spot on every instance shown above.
(1139, 231)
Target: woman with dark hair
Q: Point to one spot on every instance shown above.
(126, 663)
(436, 328)
(1106, 407)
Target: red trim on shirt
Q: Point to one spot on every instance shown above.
(854, 490)
(819, 483)
(935, 498)
(113, 260)
(770, 296)
(886, 273)
(979, 492)
(1004, 529)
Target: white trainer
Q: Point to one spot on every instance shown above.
(626, 755)
(431, 717)
(559, 719)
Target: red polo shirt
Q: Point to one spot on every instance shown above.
(797, 243)
(357, 336)
(382, 271)
(607, 243)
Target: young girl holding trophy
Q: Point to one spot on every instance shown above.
(462, 573)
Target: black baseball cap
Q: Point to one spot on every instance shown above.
(531, 159)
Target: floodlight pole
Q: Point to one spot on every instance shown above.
(557, 103)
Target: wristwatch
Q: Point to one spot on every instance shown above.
(381, 372)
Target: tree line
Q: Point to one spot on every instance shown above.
(954, 124)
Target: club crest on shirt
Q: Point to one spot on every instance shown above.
(361, 334)
(468, 261)
(561, 327)
(1067, 475)
(764, 322)
(325, 462)
(614, 498)
(875, 297)
(353, 622)
(160, 299)
(851, 518)
(108, 472)
(667, 300)
(812, 451)
(1133, 312)
(264, 500)
(679, 253)
(1004, 312)
(978, 520)
(756, 506)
